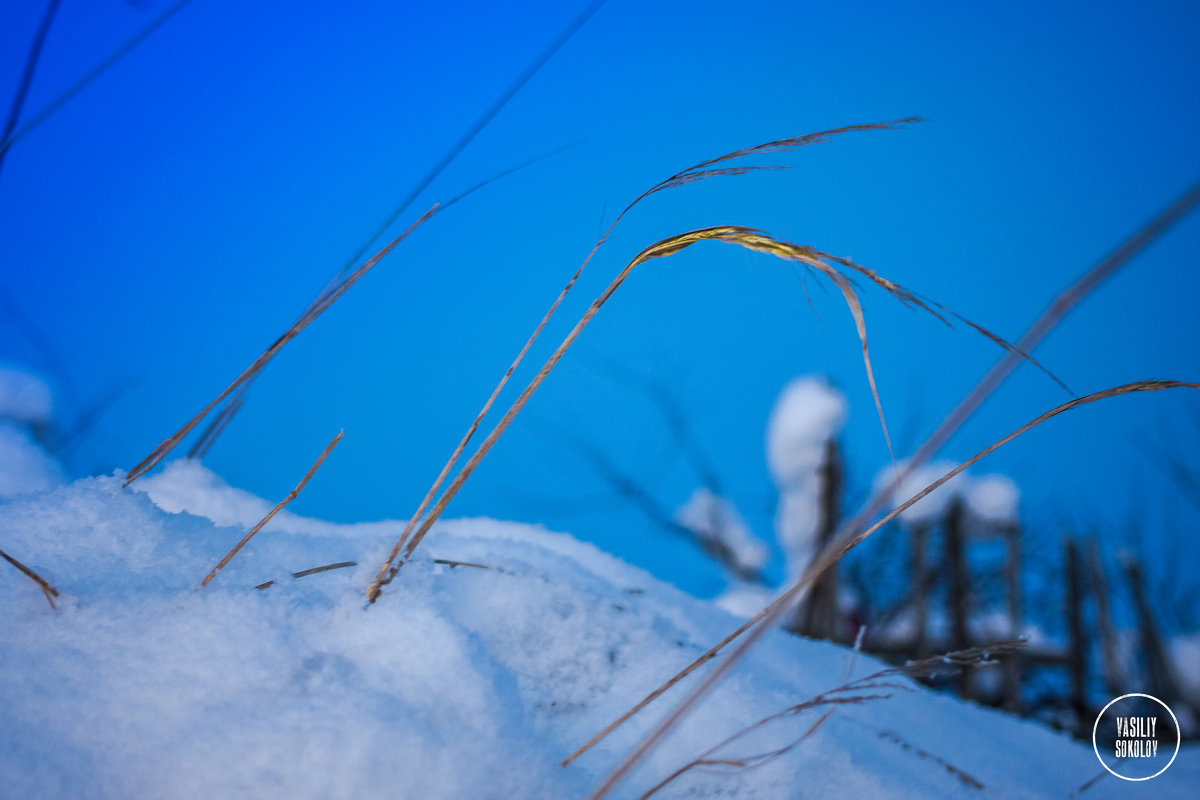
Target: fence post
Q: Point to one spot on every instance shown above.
(819, 615)
(958, 598)
(1076, 643)
(1014, 663)
(1113, 679)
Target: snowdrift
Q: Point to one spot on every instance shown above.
(462, 682)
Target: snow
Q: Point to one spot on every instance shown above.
(187, 485)
(460, 682)
(713, 518)
(24, 398)
(1185, 650)
(743, 600)
(807, 415)
(25, 406)
(24, 465)
(930, 509)
(993, 500)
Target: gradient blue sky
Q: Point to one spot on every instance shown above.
(174, 218)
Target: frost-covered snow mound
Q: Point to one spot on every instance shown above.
(460, 683)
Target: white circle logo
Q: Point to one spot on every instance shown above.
(1127, 735)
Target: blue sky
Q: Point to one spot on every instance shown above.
(176, 216)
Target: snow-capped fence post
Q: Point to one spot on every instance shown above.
(1077, 641)
(804, 464)
(1113, 679)
(818, 617)
(1014, 663)
(958, 598)
(921, 580)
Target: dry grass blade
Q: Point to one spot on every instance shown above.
(704, 169)
(31, 63)
(1044, 324)
(563, 37)
(312, 571)
(304, 573)
(693, 173)
(46, 588)
(291, 496)
(763, 621)
(225, 416)
(710, 761)
(95, 72)
(446, 562)
(849, 693)
(220, 421)
(315, 310)
(230, 411)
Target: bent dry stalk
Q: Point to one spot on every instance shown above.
(292, 495)
(42, 583)
(316, 309)
(696, 172)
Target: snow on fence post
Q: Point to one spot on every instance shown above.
(804, 423)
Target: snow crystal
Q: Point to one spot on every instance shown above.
(24, 398)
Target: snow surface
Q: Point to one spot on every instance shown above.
(459, 683)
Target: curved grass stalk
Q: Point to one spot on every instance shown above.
(696, 172)
(749, 238)
(292, 495)
(316, 309)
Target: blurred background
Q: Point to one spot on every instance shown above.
(175, 216)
